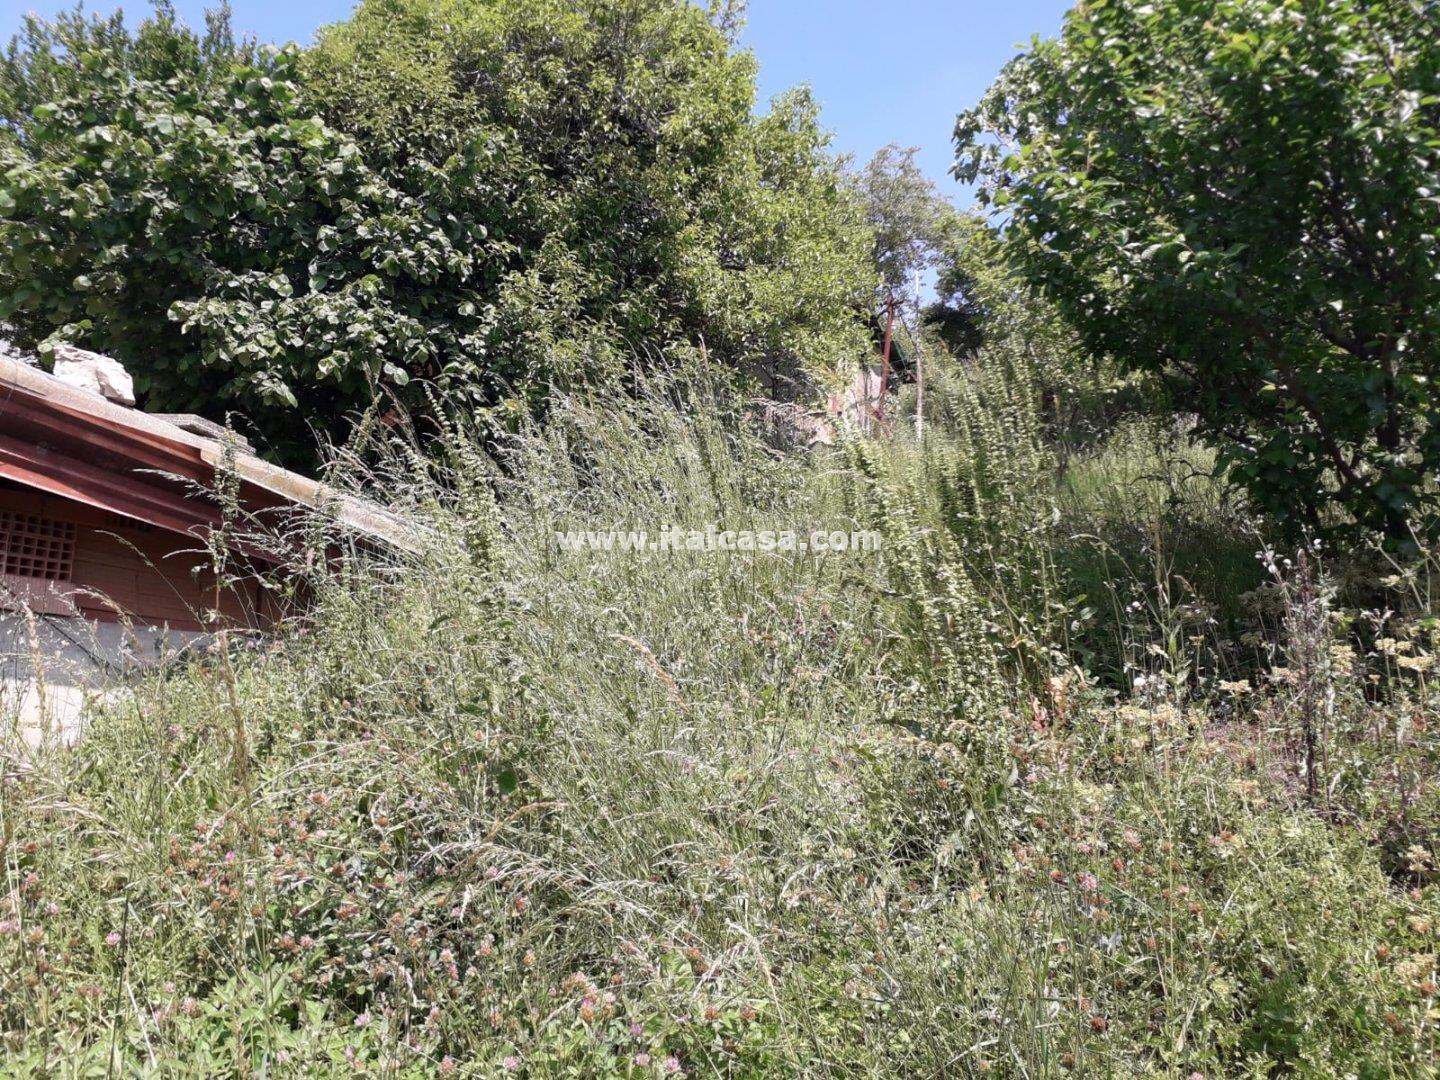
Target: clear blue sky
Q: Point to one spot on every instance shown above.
(895, 71)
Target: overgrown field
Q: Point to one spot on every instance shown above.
(1063, 781)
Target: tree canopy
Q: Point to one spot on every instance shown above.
(908, 217)
(1245, 195)
(493, 195)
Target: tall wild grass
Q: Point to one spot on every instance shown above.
(504, 809)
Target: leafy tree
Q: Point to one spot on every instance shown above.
(908, 217)
(958, 313)
(987, 314)
(613, 151)
(166, 199)
(496, 195)
(1245, 195)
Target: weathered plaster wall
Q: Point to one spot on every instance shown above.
(78, 660)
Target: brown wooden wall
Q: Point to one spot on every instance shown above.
(122, 568)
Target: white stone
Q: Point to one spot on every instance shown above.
(91, 371)
(8, 351)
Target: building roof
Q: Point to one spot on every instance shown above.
(76, 444)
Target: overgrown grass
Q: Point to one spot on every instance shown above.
(1158, 553)
(512, 810)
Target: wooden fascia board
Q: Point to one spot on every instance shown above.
(70, 478)
(52, 422)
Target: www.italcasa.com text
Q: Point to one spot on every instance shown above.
(672, 538)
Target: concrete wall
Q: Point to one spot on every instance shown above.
(78, 661)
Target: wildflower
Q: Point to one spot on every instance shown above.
(672, 1066)
(642, 1059)
(1415, 969)
(1087, 881)
(511, 1063)
(447, 1066)
(636, 1031)
(112, 939)
(363, 1020)
(189, 1006)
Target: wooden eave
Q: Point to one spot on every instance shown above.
(77, 445)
